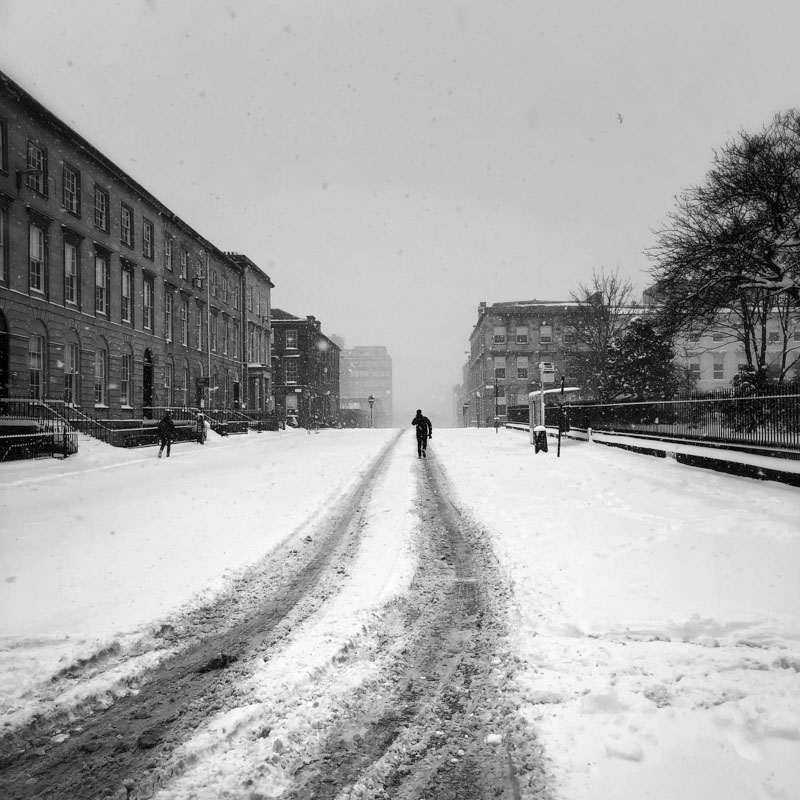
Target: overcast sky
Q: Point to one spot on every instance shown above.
(392, 164)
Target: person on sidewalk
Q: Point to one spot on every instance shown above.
(424, 432)
(166, 432)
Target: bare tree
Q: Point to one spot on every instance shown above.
(729, 255)
(604, 310)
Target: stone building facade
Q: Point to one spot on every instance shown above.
(108, 300)
(507, 344)
(305, 371)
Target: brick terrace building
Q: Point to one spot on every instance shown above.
(305, 370)
(108, 300)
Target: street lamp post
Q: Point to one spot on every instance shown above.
(478, 408)
(489, 387)
(465, 408)
(371, 401)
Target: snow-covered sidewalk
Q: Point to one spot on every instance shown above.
(657, 615)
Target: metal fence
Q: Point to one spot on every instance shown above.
(38, 424)
(768, 421)
(30, 429)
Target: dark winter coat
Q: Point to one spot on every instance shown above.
(424, 427)
(166, 428)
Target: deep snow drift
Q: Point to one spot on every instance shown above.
(656, 610)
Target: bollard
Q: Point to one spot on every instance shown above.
(540, 438)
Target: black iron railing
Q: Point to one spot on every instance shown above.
(50, 419)
(769, 421)
(31, 429)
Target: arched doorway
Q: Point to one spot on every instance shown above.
(147, 385)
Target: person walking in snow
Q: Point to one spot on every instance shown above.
(166, 432)
(424, 432)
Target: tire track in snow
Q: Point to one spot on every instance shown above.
(118, 751)
(438, 722)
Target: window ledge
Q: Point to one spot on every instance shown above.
(100, 405)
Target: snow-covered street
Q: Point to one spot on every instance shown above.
(651, 610)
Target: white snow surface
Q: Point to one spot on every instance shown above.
(655, 614)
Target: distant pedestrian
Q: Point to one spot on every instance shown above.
(166, 432)
(201, 428)
(424, 432)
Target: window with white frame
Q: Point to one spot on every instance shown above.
(126, 283)
(36, 173)
(225, 332)
(184, 263)
(100, 283)
(71, 371)
(37, 256)
(236, 338)
(148, 304)
(3, 145)
(36, 367)
(168, 252)
(3, 245)
(499, 368)
(290, 368)
(237, 296)
(101, 208)
(71, 189)
(126, 224)
(70, 274)
(184, 322)
(225, 295)
(568, 336)
(499, 334)
(249, 298)
(291, 339)
(694, 369)
(168, 306)
(545, 334)
(169, 382)
(100, 372)
(125, 378)
(148, 244)
(185, 386)
(213, 326)
(214, 280)
(199, 327)
(796, 335)
(719, 368)
(717, 336)
(522, 334)
(522, 367)
(773, 337)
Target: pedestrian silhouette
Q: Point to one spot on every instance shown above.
(424, 432)
(166, 432)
